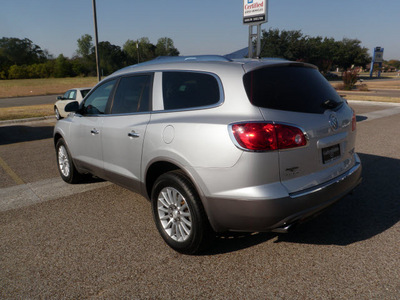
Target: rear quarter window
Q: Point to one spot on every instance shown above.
(184, 90)
(291, 88)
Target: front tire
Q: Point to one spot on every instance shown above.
(179, 214)
(65, 164)
(57, 113)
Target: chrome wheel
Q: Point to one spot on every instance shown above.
(174, 214)
(63, 161)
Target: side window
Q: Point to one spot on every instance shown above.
(66, 95)
(132, 95)
(189, 90)
(72, 95)
(97, 101)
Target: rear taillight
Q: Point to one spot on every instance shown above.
(353, 121)
(257, 136)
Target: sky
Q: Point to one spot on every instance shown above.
(197, 26)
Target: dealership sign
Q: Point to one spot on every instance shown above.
(378, 55)
(254, 11)
(376, 58)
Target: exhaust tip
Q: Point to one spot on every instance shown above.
(283, 229)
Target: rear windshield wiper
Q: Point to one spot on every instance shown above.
(330, 104)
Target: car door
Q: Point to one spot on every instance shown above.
(85, 130)
(124, 130)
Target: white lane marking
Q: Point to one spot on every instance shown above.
(373, 103)
(380, 114)
(377, 114)
(41, 191)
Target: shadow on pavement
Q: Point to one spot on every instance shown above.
(18, 133)
(361, 118)
(373, 209)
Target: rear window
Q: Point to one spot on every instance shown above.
(291, 88)
(84, 93)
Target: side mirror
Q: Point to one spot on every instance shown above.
(59, 98)
(72, 106)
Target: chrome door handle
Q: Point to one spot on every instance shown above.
(133, 134)
(94, 131)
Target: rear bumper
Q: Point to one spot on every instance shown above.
(274, 214)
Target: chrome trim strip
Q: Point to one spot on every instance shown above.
(328, 183)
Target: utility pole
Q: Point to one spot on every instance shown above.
(137, 48)
(96, 39)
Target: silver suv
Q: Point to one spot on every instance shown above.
(216, 145)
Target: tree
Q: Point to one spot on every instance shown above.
(130, 49)
(284, 44)
(139, 51)
(14, 51)
(112, 58)
(165, 47)
(323, 52)
(350, 52)
(85, 46)
(63, 67)
(83, 67)
(394, 63)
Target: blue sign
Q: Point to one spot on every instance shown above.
(377, 58)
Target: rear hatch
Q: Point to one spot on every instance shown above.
(297, 94)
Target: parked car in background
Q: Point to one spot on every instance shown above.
(76, 94)
(330, 75)
(215, 144)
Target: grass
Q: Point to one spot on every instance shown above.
(23, 112)
(48, 86)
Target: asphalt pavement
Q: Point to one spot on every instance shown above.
(25, 101)
(98, 240)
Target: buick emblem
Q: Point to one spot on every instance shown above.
(333, 121)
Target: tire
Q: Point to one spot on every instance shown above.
(179, 215)
(65, 164)
(57, 113)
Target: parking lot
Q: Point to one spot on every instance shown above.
(99, 240)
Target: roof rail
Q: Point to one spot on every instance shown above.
(191, 58)
(169, 59)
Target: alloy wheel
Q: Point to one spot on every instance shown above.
(174, 214)
(63, 161)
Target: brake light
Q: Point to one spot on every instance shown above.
(353, 121)
(267, 136)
